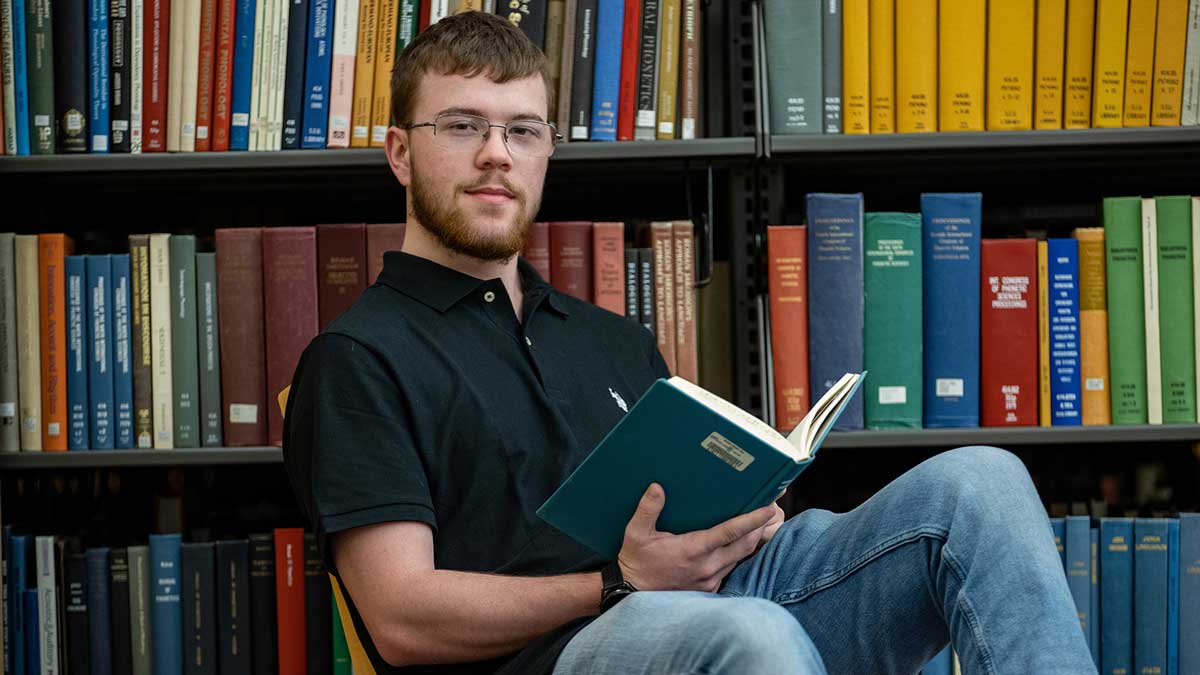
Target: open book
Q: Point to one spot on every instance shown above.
(713, 460)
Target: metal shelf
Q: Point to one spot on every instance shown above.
(1012, 436)
(136, 458)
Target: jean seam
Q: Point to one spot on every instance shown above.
(985, 653)
(835, 577)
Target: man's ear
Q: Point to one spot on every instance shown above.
(398, 155)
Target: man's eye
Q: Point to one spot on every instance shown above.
(524, 131)
(461, 126)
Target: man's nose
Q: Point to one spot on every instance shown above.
(494, 153)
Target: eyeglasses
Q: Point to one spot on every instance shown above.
(455, 131)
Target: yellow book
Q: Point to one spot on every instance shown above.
(469, 6)
(1049, 64)
(1077, 95)
(364, 74)
(916, 65)
(883, 63)
(1093, 327)
(1043, 288)
(962, 48)
(385, 57)
(1108, 76)
(1169, 45)
(1010, 65)
(856, 67)
(1139, 62)
(668, 67)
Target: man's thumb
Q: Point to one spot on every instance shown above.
(645, 518)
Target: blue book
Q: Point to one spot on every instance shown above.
(835, 294)
(1079, 568)
(712, 459)
(951, 257)
(1065, 394)
(122, 360)
(1150, 595)
(1173, 597)
(99, 345)
(99, 626)
(942, 664)
(1058, 527)
(1116, 595)
(75, 272)
(316, 75)
(1094, 624)
(243, 73)
(166, 612)
(6, 550)
(33, 641)
(606, 82)
(1189, 593)
(20, 83)
(293, 87)
(98, 123)
(18, 574)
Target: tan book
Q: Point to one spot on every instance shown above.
(662, 242)
(257, 90)
(190, 71)
(1093, 327)
(274, 121)
(29, 350)
(175, 47)
(686, 355)
(160, 341)
(668, 67)
(608, 266)
(385, 58)
(562, 109)
(364, 73)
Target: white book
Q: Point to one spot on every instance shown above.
(278, 77)
(1150, 294)
(438, 10)
(191, 73)
(29, 342)
(266, 97)
(6, 74)
(256, 80)
(160, 341)
(341, 80)
(175, 59)
(1191, 68)
(47, 605)
(136, 17)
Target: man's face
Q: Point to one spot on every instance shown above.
(477, 199)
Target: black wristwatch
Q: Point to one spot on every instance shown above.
(615, 587)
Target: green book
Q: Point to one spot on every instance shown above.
(1175, 327)
(341, 651)
(208, 340)
(1126, 309)
(39, 45)
(892, 328)
(184, 355)
(794, 71)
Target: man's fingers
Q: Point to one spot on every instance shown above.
(645, 517)
(735, 528)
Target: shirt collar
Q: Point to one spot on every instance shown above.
(441, 288)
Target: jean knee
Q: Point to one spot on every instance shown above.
(755, 635)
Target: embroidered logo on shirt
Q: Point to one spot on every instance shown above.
(620, 401)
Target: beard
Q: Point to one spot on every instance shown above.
(452, 227)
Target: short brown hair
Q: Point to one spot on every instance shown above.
(467, 44)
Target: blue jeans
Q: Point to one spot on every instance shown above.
(957, 549)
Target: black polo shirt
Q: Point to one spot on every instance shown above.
(429, 401)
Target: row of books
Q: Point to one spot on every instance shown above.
(217, 75)
(258, 605)
(959, 331)
(1136, 586)
(912, 66)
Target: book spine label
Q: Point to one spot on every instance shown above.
(10, 436)
(208, 339)
(1150, 568)
(1139, 63)
(386, 45)
(892, 327)
(608, 256)
(1169, 50)
(1093, 327)
(294, 93)
(122, 360)
(77, 356)
(316, 77)
(951, 331)
(341, 81)
(98, 343)
(584, 70)
(184, 359)
(883, 74)
(290, 302)
(1063, 256)
(1008, 333)
(52, 249)
(244, 26)
(29, 360)
(242, 343)
(206, 75)
(916, 66)
(787, 291)
(1191, 68)
(610, 20)
(1116, 595)
(119, 54)
(1077, 96)
(160, 342)
(1010, 65)
(1049, 62)
(71, 105)
(98, 76)
(1108, 74)
(647, 91)
(835, 292)
(1126, 304)
(166, 613)
(856, 66)
(794, 73)
(1176, 324)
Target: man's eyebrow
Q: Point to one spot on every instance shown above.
(458, 110)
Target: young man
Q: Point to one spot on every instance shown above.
(428, 423)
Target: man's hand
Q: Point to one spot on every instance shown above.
(695, 561)
(773, 525)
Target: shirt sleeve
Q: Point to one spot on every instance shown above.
(348, 443)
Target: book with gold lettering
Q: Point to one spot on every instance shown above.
(713, 460)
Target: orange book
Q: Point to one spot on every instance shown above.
(1166, 102)
(364, 74)
(664, 291)
(1139, 62)
(608, 266)
(52, 249)
(385, 58)
(1093, 327)
(787, 290)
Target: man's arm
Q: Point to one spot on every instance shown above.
(418, 614)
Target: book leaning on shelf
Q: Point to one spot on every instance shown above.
(713, 460)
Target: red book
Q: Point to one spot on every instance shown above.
(662, 241)
(52, 302)
(289, 600)
(571, 258)
(687, 356)
(204, 78)
(537, 249)
(381, 238)
(423, 15)
(1008, 333)
(290, 304)
(341, 268)
(154, 75)
(608, 266)
(243, 346)
(787, 289)
(223, 75)
(631, 40)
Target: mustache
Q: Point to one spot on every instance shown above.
(493, 179)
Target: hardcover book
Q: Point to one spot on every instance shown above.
(892, 317)
(1116, 595)
(1008, 333)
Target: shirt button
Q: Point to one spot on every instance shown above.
(489, 296)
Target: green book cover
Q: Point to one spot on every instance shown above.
(184, 355)
(208, 341)
(1176, 329)
(39, 47)
(892, 330)
(341, 651)
(794, 70)
(1126, 309)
